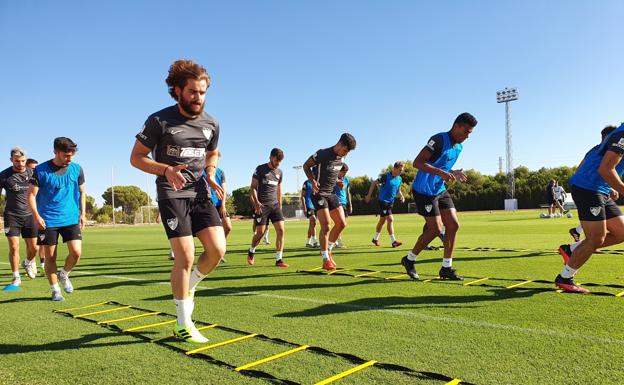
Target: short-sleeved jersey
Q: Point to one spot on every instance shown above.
(329, 165)
(307, 187)
(558, 191)
(341, 193)
(268, 179)
(16, 186)
(58, 198)
(174, 140)
(587, 176)
(444, 154)
(388, 187)
(220, 179)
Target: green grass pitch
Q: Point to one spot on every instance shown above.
(481, 334)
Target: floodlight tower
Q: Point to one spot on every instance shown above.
(505, 96)
(297, 168)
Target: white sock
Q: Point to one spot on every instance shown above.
(252, 249)
(55, 287)
(278, 255)
(579, 229)
(330, 245)
(65, 273)
(184, 310)
(314, 239)
(411, 256)
(376, 237)
(568, 272)
(325, 255)
(574, 245)
(16, 274)
(310, 240)
(447, 262)
(392, 238)
(196, 277)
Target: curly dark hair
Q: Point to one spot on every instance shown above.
(182, 70)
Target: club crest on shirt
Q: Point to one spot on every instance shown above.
(595, 210)
(207, 133)
(428, 208)
(172, 223)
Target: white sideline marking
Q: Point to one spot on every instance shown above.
(404, 313)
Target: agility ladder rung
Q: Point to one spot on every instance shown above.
(347, 372)
(273, 357)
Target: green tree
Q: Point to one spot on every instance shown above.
(242, 202)
(90, 206)
(129, 198)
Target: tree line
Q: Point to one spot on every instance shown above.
(480, 192)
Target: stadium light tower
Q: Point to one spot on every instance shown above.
(505, 96)
(297, 168)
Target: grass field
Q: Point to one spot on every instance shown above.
(483, 333)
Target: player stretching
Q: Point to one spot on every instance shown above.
(389, 187)
(58, 200)
(18, 219)
(266, 195)
(433, 202)
(595, 186)
(183, 139)
(329, 162)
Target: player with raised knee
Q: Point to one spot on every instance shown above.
(183, 140)
(329, 163)
(389, 188)
(435, 168)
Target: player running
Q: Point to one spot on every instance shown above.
(595, 186)
(389, 187)
(183, 140)
(18, 218)
(57, 199)
(266, 195)
(435, 162)
(343, 192)
(329, 161)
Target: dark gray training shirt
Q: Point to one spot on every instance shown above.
(268, 180)
(174, 140)
(16, 186)
(329, 165)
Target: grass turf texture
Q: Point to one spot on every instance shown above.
(484, 335)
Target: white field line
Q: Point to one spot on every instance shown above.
(404, 313)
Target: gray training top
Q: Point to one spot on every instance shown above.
(329, 165)
(16, 186)
(268, 180)
(174, 140)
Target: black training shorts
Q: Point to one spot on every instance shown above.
(16, 225)
(385, 209)
(593, 205)
(430, 206)
(273, 213)
(310, 212)
(49, 236)
(325, 201)
(182, 217)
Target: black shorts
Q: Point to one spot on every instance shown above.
(225, 213)
(430, 206)
(385, 209)
(310, 212)
(274, 213)
(49, 236)
(594, 206)
(346, 210)
(14, 225)
(325, 201)
(182, 217)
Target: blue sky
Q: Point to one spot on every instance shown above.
(295, 75)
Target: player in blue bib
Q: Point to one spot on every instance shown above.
(310, 212)
(57, 199)
(595, 187)
(389, 188)
(343, 192)
(435, 167)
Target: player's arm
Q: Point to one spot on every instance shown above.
(212, 160)
(349, 207)
(279, 195)
(608, 172)
(253, 194)
(307, 169)
(302, 199)
(371, 189)
(83, 206)
(420, 162)
(32, 202)
(139, 158)
(401, 196)
(224, 187)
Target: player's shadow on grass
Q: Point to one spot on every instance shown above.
(86, 341)
(473, 258)
(26, 299)
(412, 302)
(119, 283)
